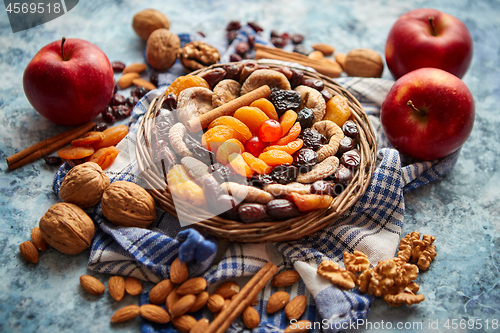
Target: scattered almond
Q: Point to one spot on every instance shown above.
(144, 83)
(184, 323)
(116, 287)
(285, 279)
(340, 58)
(154, 313)
(125, 314)
(133, 286)
(91, 285)
(251, 317)
(182, 306)
(215, 303)
(171, 299)
(316, 55)
(192, 286)
(296, 307)
(277, 301)
(135, 68)
(37, 239)
(334, 66)
(125, 80)
(227, 289)
(200, 327)
(300, 326)
(324, 48)
(201, 301)
(160, 291)
(29, 251)
(178, 271)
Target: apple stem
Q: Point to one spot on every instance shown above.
(414, 108)
(433, 29)
(62, 48)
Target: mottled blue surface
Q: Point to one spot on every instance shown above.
(461, 210)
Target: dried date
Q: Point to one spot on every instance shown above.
(252, 212)
(282, 209)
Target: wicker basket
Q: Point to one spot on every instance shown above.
(272, 231)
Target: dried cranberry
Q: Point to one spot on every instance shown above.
(233, 71)
(312, 139)
(241, 48)
(284, 174)
(138, 91)
(233, 25)
(231, 35)
(351, 159)
(108, 115)
(257, 28)
(132, 101)
(153, 77)
(284, 100)
(314, 83)
(285, 36)
(118, 66)
(305, 117)
(327, 95)
(305, 159)
(122, 111)
(346, 144)
(100, 127)
(251, 40)
(53, 160)
(214, 76)
(274, 33)
(235, 57)
(279, 42)
(170, 102)
(297, 38)
(301, 49)
(350, 129)
(117, 99)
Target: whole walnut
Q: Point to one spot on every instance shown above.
(84, 185)
(162, 48)
(67, 228)
(127, 204)
(148, 20)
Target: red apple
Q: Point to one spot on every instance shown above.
(428, 114)
(69, 82)
(428, 38)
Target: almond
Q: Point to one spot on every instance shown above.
(135, 68)
(227, 289)
(215, 303)
(251, 317)
(91, 285)
(334, 66)
(125, 80)
(29, 251)
(285, 279)
(154, 313)
(133, 286)
(192, 286)
(200, 327)
(340, 58)
(300, 326)
(277, 301)
(37, 239)
(184, 323)
(160, 291)
(182, 306)
(144, 83)
(178, 271)
(116, 287)
(316, 55)
(126, 313)
(171, 299)
(296, 307)
(364, 63)
(324, 48)
(201, 301)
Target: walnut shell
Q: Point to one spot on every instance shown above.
(84, 185)
(127, 204)
(364, 63)
(148, 20)
(197, 55)
(67, 228)
(162, 48)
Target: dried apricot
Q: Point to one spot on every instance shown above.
(234, 123)
(256, 164)
(75, 153)
(309, 202)
(252, 117)
(287, 120)
(216, 136)
(184, 82)
(337, 110)
(183, 188)
(104, 156)
(292, 135)
(229, 147)
(88, 139)
(239, 165)
(267, 107)
(290, 148)
(112, 136)
(276, 157)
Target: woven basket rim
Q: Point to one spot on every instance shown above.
(270, 231)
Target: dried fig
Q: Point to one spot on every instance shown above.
(84, 185)
(148, 20)
(162, 48)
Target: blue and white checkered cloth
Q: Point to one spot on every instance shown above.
(373, 226)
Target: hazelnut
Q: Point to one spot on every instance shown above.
(84, 185)
(162, 48)
(127, 204)
(67, 228)
(147, 21)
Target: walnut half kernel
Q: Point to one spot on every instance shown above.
(197, 55)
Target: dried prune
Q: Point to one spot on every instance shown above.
(259, 180)
(284, 100)
(282, 209)
(314, 83)
(220, 172)
(305, 159)
(228, 206)
(350, 129)
(284, 174)
(312, 139)
(252, 212)
(170, 102)
(351, 159)
(342, 176)
(305, 117)
(346, 144)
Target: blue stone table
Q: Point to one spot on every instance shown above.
(461, 210)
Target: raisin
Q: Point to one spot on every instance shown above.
(252, 212)
(305, 117)
(220, 172)
(350, 129)
(259, 180)
(118, 66)
(139, 92)
(312, 139)
(305, 159)
(122, 111)
(346, 144)
(132, 101)
(279, 42)
(170, 102)
(284, 100)
(314, 83)
(351, 159)
(233, 25)
(282, 209)
(108, 115)
(297, 38)
(100, 127)
(53, 160)
(284, 174)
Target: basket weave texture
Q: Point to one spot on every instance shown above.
(270, 231)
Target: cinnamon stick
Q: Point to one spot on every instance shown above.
(197, 124)
(243, 299)
(47, 146)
